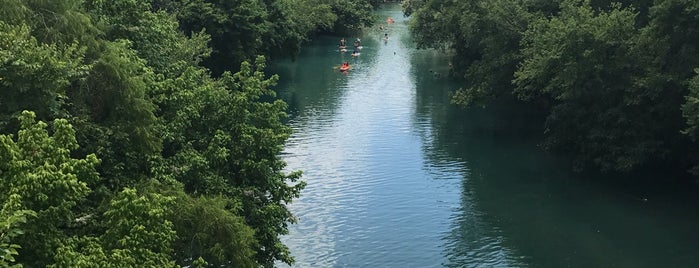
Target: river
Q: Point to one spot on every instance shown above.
(398, 177)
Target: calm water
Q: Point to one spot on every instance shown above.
(397, 177)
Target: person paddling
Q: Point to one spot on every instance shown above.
(342, 42)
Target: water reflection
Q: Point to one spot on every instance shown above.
(373, 196)
(522, 207)
(397, 177)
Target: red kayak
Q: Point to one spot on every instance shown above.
(344, 68)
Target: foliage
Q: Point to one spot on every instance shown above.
(138, 234)
(11, 217)
(34, 76)
(40, 176)
(51, 22)
(576, 58)
(241, 29)
(484, 35)
(210, 229)
(292, 21)
(236, 27)
(154, 35)
(114, 116)
(690, 111)
(175, 143)
(223, 139)
(691, 108)
(351, 15)
(613, 76)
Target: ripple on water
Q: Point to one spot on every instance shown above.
(378, 195)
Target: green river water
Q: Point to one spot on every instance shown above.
(398, 177)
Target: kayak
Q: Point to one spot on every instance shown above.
(344, 68)
(356, 54)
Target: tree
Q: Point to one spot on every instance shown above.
(222, 138)
(484, 37)
(34, 76)
(114, 115)
(351, 15)
(131, 85)
(40, 176)
(138, 233)
(690, 111)
(11, 219)
(236, 27)
(154, 35)
(212, 229)
(588, 64)
(292, 22)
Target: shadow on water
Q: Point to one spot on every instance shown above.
(399, 177)
(529, 203)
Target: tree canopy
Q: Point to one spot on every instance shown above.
(617, 78)
(118, 147)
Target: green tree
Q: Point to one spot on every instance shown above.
(291, 23)
(51, 22)
(212, 229)
(588, 65)
(675, 55)
(256, 143)
(11, 219)
(351, 15)
(624, 64)
(154, 35)
(222, 138)
(114, 115)
(236, 27)
(484, 37)
(34, 76)
(138, 233)
(690, 111)
(129, 82)
(40, 176)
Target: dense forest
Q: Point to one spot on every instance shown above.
(615, 80)
(144, 133)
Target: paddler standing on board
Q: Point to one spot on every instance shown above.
(342, 45)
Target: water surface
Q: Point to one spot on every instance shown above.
(397, 177)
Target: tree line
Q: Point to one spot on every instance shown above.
(144, 133)
(617, 80)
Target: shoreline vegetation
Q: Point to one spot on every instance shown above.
(617, 81)
(146, 133)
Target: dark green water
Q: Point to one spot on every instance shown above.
(397, 177)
